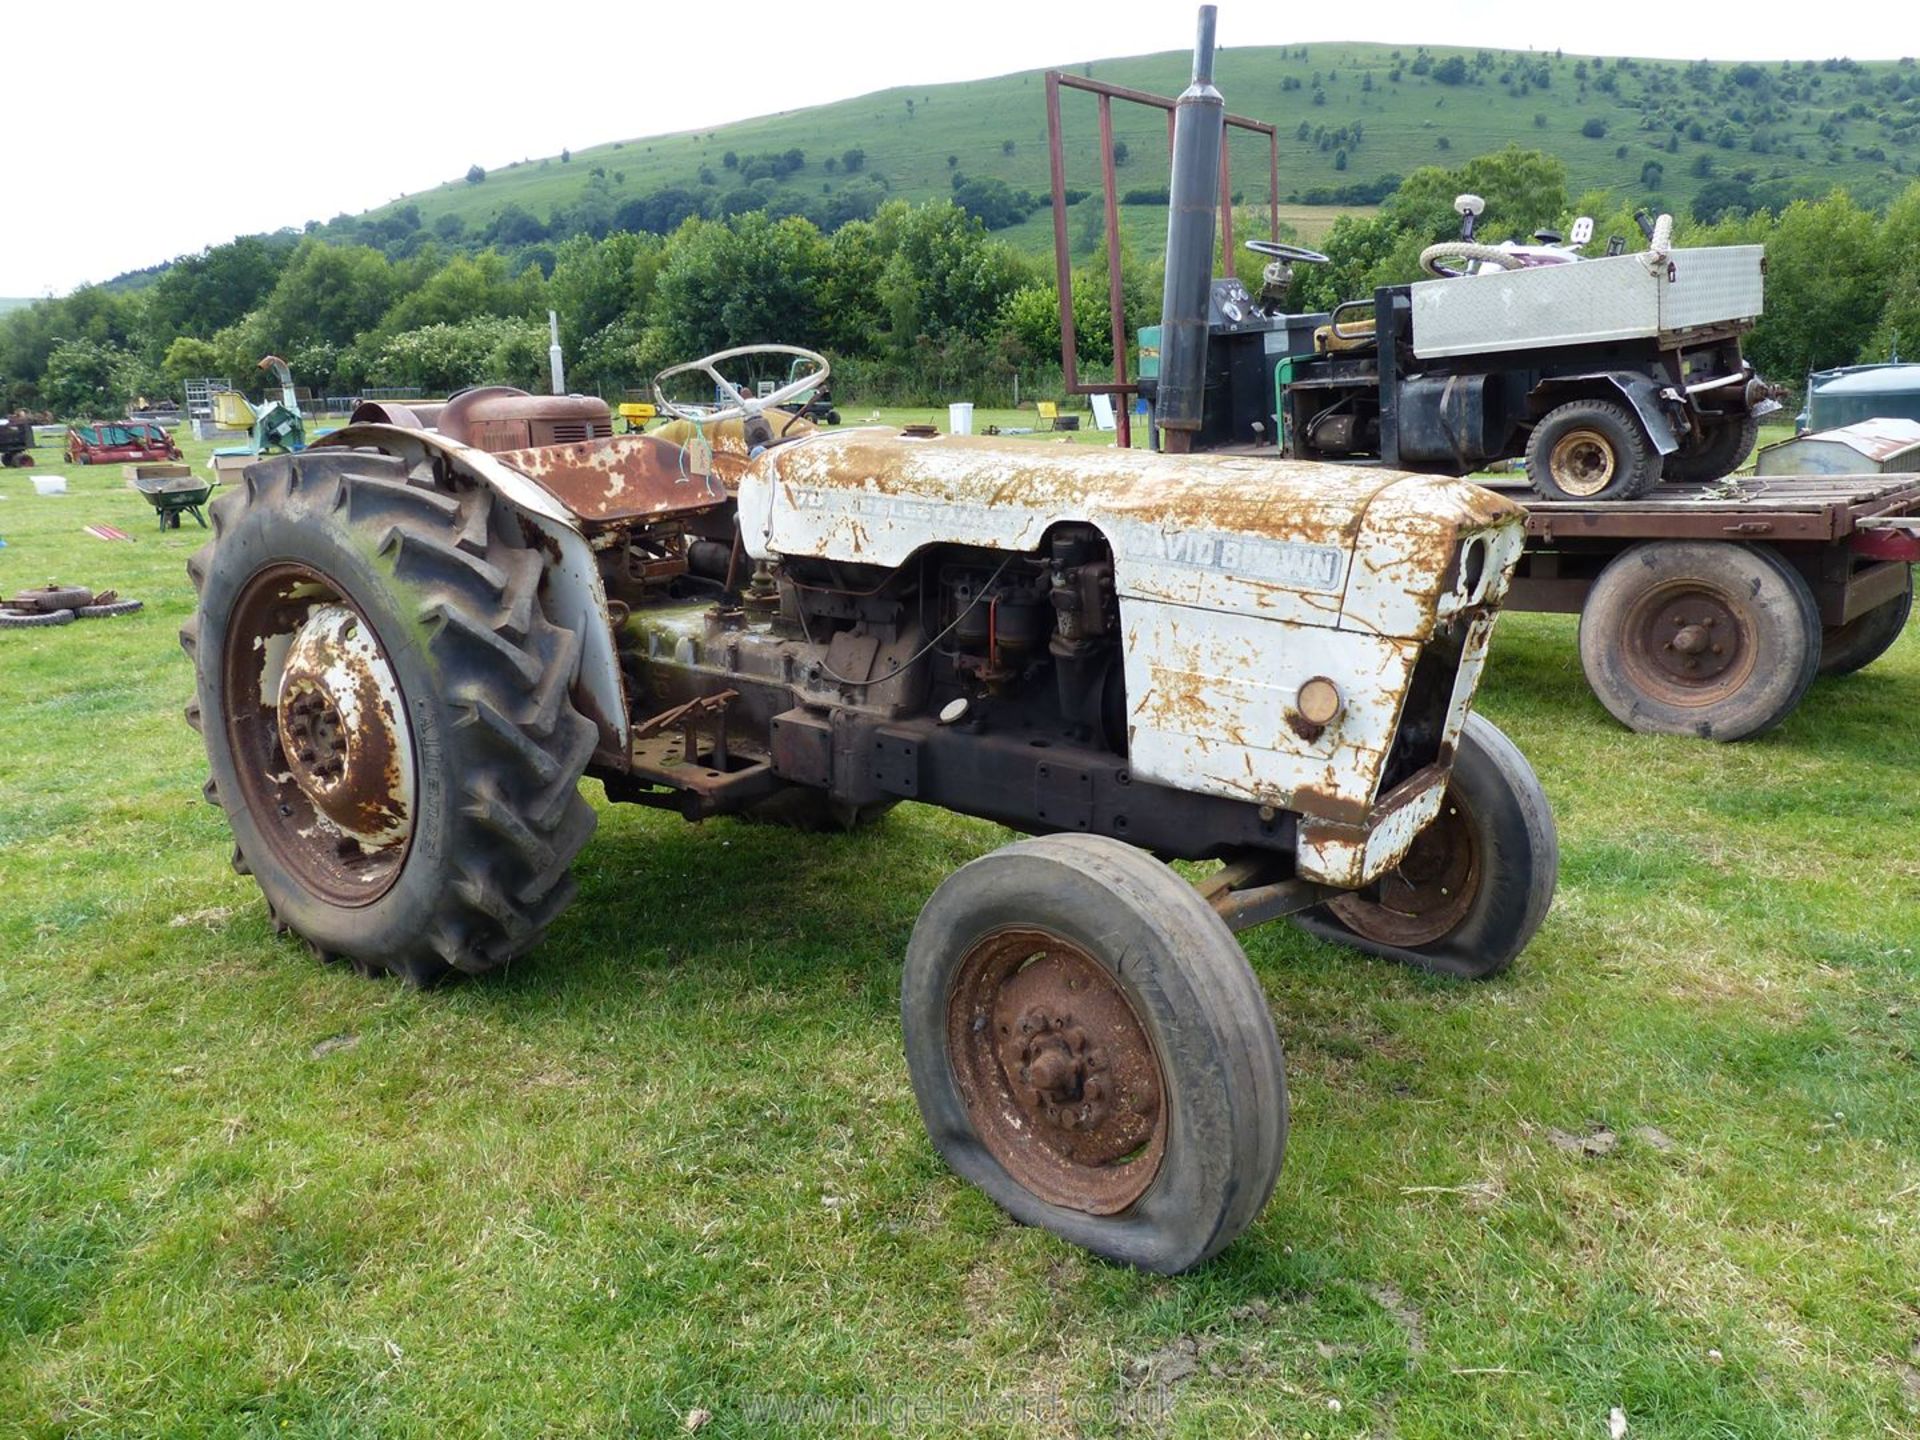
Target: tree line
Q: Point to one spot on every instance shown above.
(915, 303)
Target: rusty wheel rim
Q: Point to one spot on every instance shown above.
(317, 728)
(1582, 462)
(1059, 1078)
(1431, 890)
(1688, 645)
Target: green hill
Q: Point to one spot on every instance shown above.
(1349, 114)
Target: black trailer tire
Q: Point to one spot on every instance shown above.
(463, 760)
(109, 610)
(1477, 882)
(1128, 938)
(833, 417)
(1697, 637)
(34, 619)
(1865, 638)
(1723, 449)
(1591, 451)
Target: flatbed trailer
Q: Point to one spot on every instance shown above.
(1707, 609)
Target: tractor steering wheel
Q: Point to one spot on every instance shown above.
(1435, 259)
(741, 405)
(1295, 254)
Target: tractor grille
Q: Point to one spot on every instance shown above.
(572, 432)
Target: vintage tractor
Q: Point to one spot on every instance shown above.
(416, 637)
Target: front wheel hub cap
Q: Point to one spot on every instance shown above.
(343, 729)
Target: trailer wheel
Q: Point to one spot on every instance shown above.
(1865, 638)
(1591, 450)
(1706, 638)
(1722, 450)
(384, 702)
(1476, 883)
(1089, 1046)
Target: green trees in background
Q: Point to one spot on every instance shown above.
(912, 301)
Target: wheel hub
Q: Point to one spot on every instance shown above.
(1582, 462)
(1696, 640)
(1060, 1078)
(1687, 645)
(343, 729)
(1429, 893)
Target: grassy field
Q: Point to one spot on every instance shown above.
(1670, 1164)
(1837, 127)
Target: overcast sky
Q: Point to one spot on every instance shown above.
(139, 133)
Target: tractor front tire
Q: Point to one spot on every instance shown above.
(1476, 883)
(385, 706)
(1089, 1046)
(1591, 451)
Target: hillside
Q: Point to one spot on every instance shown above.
(1349, 114)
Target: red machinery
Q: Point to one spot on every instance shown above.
(129, 440)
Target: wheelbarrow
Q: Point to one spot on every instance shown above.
(171, 489)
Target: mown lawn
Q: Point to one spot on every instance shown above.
(671, 1163)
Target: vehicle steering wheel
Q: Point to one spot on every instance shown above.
(1468, 252)
(741, 406)
(1295, 254)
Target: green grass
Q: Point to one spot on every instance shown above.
(671, 1161)
(1405, 124)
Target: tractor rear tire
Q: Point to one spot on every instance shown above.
(1476, 883)
(385, 706)
(1089, 1046)
(1721, 451)
(1591, 451)
(1865, 638)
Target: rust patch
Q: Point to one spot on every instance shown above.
(628, 477)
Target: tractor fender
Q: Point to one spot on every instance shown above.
(1642, 393)
(575, 594)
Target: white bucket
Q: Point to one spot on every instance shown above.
(50, 484)
(960, 418)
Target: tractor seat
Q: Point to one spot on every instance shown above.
(1338, 339)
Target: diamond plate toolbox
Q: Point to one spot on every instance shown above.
(1586, 302)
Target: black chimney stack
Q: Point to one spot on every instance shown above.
(1199, 130)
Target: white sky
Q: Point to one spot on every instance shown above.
(144, 135)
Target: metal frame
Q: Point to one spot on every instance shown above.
(1063, 260)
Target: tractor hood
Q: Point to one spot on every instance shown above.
(1367, 549)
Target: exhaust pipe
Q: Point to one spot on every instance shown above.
(1199, 130)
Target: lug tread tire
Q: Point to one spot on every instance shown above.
(34, 619)
(1520, 866)
(1779, 596)
(1190, 986)
(1724, 451)
(1636, 462)
(1865, 638)
(514, 746)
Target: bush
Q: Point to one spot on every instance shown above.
(475, 174)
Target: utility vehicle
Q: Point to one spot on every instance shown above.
(415, 638)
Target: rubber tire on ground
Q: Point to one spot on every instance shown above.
(1519, 850)
(450, 589)
(33, 619)
(833, 417)
(1724, 450)
(58, 597)
(1197, 999)
(103, 612)
(1865, 638)
(1779, 609)
(1636, 463)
